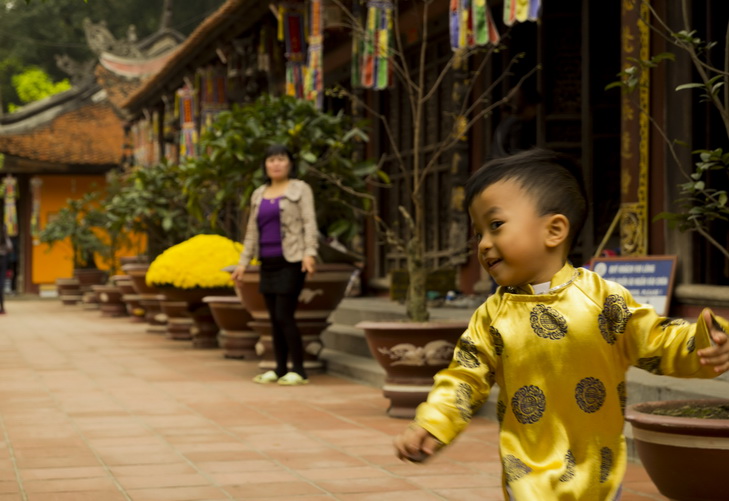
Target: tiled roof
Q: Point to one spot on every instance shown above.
(90, 134)
(228, 15)
(118, 88)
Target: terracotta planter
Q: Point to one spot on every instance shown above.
(235, 337)
(149, 297)
(69, 290)
(89, 276)
(204, 332)
(178, 321)
(411, 354)
(321, 295)
(686, 458)
(110, 301)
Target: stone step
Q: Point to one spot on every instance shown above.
(363, 370)
(346, 338)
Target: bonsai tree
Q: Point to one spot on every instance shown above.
(78, 223)
(412, 158)
(220, 181)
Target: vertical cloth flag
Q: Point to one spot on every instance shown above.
(521, 10)
(471, 24)
(291, 27)
(314, 79)
(188, 131)
(11, 214)
(376, 49)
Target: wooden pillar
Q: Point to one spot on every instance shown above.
(634, 133)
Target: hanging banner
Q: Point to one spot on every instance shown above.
(521, 11)
(376, 48)
(291, 29)
(11, 214)
(471, 24)
(314, 79)
(188, 131)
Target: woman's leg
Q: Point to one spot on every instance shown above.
(286, 331)
(280, 346)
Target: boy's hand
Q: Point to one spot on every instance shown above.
(718, 354)
(415, 444)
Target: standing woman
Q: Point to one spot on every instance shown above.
(282, 232)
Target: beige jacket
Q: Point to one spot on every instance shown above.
(299, 232)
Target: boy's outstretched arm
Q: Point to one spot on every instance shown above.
(718, 354)
(416, 444)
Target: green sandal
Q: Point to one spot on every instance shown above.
(266, 377)
(292, 379)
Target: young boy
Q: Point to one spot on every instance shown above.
(556, 340)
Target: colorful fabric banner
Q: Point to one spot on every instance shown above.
(471, 24)
(521, 11)
(11, 213)
(188, 131)
(214, 94)
(314, 79)
(291, 30)
(376, 48)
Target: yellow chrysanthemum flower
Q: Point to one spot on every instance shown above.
(197, 262)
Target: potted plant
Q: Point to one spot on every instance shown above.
(684, 446)
(149, 202)
(219, 184)
(192, 270)
(79, 224)
(400, 345)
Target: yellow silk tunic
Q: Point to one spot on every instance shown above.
(560, 360)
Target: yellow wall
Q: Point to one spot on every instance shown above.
(57, 262)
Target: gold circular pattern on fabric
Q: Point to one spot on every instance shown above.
(590, 394)
(569, 467)
(606, 463)
(528, 404)
(547, 322)
(467, 353)
(514, 468)
(497, 340)
(613, 318)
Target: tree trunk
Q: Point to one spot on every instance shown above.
(417, 301)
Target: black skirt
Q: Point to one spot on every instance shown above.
(278, 276)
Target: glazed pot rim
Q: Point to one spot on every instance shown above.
(637, 414)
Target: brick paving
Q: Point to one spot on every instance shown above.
(96, 408)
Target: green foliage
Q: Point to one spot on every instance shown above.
(220, 182)
(76, 222)
(149, 201)
(33, 84)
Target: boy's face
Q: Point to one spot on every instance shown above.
(511, 236)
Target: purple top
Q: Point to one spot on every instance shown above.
(269, 228)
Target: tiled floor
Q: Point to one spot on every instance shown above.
(95, 408)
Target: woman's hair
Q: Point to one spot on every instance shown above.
(275, 150)
(553, 179)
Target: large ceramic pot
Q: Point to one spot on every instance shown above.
(69, 290)
(150, 298)
(321, 295)
(411, 353)
(204, 332)
(236, 337)
(110, 300)
(686, 457)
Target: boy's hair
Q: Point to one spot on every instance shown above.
(275, 150)
(553, 179)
